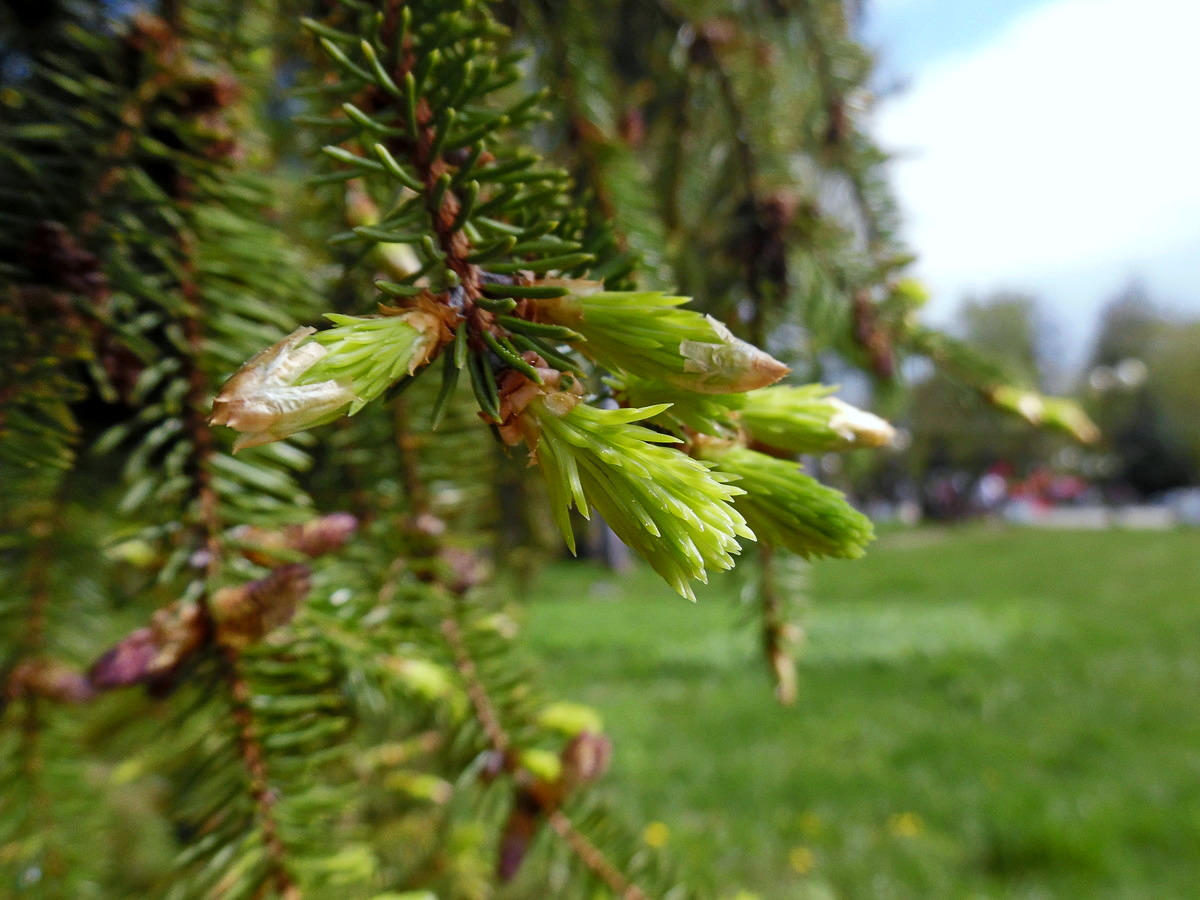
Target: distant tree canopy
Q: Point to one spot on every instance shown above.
(1008, 328)
(1143, 390)
(952, 425)
(1140, 382)
(1131, 327)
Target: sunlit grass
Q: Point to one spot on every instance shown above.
(986, 713)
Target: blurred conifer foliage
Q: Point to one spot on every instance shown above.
(272, 279)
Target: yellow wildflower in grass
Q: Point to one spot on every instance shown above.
(656, 834)
(802, 860)
(905, 825)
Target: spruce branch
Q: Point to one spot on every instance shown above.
(541, 781)
(214, 610)
(774, 634)
(276, 668)
(254, 762)
(17, 687)
(849, 150)
(713, 414)
(180, 239)
(209, 520)
(872, 336)
(998, 387)
(417, 106)
(481, 703)
(612, 185)
(541, 787)
(765, 269)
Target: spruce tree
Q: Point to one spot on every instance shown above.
(260, 558)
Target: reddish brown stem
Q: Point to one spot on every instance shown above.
(484, 710)
(594, 859)
(587, 852)
(453, 242)
(256, 768)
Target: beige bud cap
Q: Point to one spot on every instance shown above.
(859, 427)
(262, 400)
(731, 366)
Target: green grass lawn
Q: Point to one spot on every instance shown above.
(982, 713)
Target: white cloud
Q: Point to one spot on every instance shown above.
(1071, 142)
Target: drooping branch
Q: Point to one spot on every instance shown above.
(254, 761)
(775, 630)
(485, 712)
(425, 153)
(32, 724)
(535, 798)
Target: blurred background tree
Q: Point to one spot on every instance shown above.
(955, 429)
(1140, 380)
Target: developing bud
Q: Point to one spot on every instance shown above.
(1066, 415)
(726, 365)
(397, 261)
(249, 612)
(787, 508)
(47, 678)
(420, 786)
(263, 400)
(807, 420)
(1053, 412)
(643, 333)
(706, 413)
(371, 353)
(294, 385)
(858, 427)
(424, 678)
(671, 509)
(1026, 404)
(586, 757)
(313, 538)
(151, 655)
(569, 718)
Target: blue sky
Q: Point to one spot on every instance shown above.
(914, 33)
(1049, 146)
